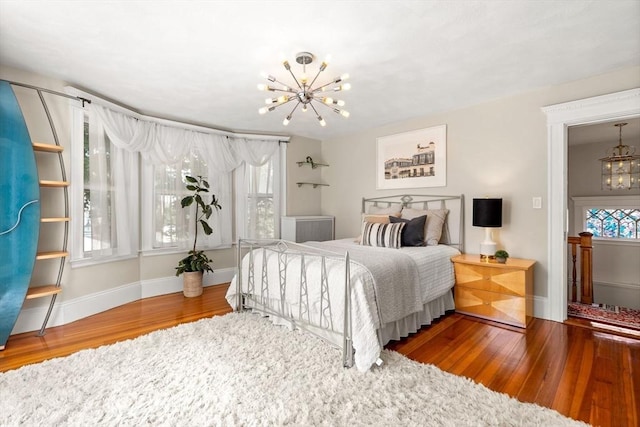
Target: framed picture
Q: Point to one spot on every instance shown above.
(412, 159)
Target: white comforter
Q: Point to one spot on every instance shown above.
(387, 285)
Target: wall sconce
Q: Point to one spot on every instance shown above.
(487, 213)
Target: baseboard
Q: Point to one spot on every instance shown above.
(540, 308)
(31, 319)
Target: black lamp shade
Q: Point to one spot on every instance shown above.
(487, 212)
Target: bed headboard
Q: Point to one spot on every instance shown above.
(453, 230)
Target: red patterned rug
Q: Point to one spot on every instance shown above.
(610, 314)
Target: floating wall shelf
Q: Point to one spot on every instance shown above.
(314, 184)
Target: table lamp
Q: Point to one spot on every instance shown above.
(487, 213)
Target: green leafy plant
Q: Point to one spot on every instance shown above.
(198, 260)
(501, 254)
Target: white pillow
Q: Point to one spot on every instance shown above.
(382, 235)
(434, 225)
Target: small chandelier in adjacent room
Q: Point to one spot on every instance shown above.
(303, 94)
(621, 167)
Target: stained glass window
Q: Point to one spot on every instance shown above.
(613, 223)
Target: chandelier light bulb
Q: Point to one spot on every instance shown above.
(282, 98)
(286, 120)
(344, 113)
(263, 110)
(327, 100)
(304, 108)
(340, 103)
(322, 122)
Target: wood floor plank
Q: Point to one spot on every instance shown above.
(582, 372)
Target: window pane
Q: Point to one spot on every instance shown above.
(613, 223)
(170, 220)
(260, 206)
(98, 182)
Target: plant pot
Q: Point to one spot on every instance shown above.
(192, 284)
(501, 260)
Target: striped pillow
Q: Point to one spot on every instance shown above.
(382, 235)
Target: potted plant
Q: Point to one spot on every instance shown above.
(196, 263)
(501, 256)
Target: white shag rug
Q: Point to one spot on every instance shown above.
(239, 369)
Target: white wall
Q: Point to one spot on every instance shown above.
(497, 149)
(303, 200)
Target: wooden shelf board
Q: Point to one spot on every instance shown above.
(43, 291)
(48, 148)
(44, 183)
(55, 219)
(51, 254)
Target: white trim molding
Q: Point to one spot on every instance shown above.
(620, 105)
(30, 319)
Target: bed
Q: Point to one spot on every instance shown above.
(359, 293)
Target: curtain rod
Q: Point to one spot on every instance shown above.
(124, 109)
(41, 89)
(88, 101)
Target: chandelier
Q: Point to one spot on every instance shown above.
(621, 167)
(303, 94)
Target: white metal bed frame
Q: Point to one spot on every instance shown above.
(323, 326)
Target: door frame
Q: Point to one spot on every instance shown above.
(560, 117)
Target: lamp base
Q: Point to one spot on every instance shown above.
(487, 250)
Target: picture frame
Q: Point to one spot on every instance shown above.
(412, 159)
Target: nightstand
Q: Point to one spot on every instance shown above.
(500, 292)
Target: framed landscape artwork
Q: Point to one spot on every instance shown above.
(412, 159)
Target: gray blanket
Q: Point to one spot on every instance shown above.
(395, 276)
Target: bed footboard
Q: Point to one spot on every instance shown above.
(291, 283)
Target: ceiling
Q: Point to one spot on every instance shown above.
(200, 61)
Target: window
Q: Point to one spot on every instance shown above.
(171, 225)
(104, 195)
(258, 196)
(613, 223)
(260, 205)
(612, 219)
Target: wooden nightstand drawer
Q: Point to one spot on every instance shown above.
(500, 292)
(491, 305)
(504, 280)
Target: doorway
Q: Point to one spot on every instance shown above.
(612, 217)
(560, 117)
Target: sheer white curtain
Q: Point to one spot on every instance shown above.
(167, 146)
(258, 198)
(113, 195)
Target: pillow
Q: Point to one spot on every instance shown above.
(382, 235)
(390, 210)
(376, 218)
(413, 232)
(434, 223)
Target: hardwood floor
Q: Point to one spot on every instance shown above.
(584, 373)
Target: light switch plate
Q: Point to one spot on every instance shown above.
(537, 203)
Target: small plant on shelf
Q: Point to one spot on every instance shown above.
(501, 256)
